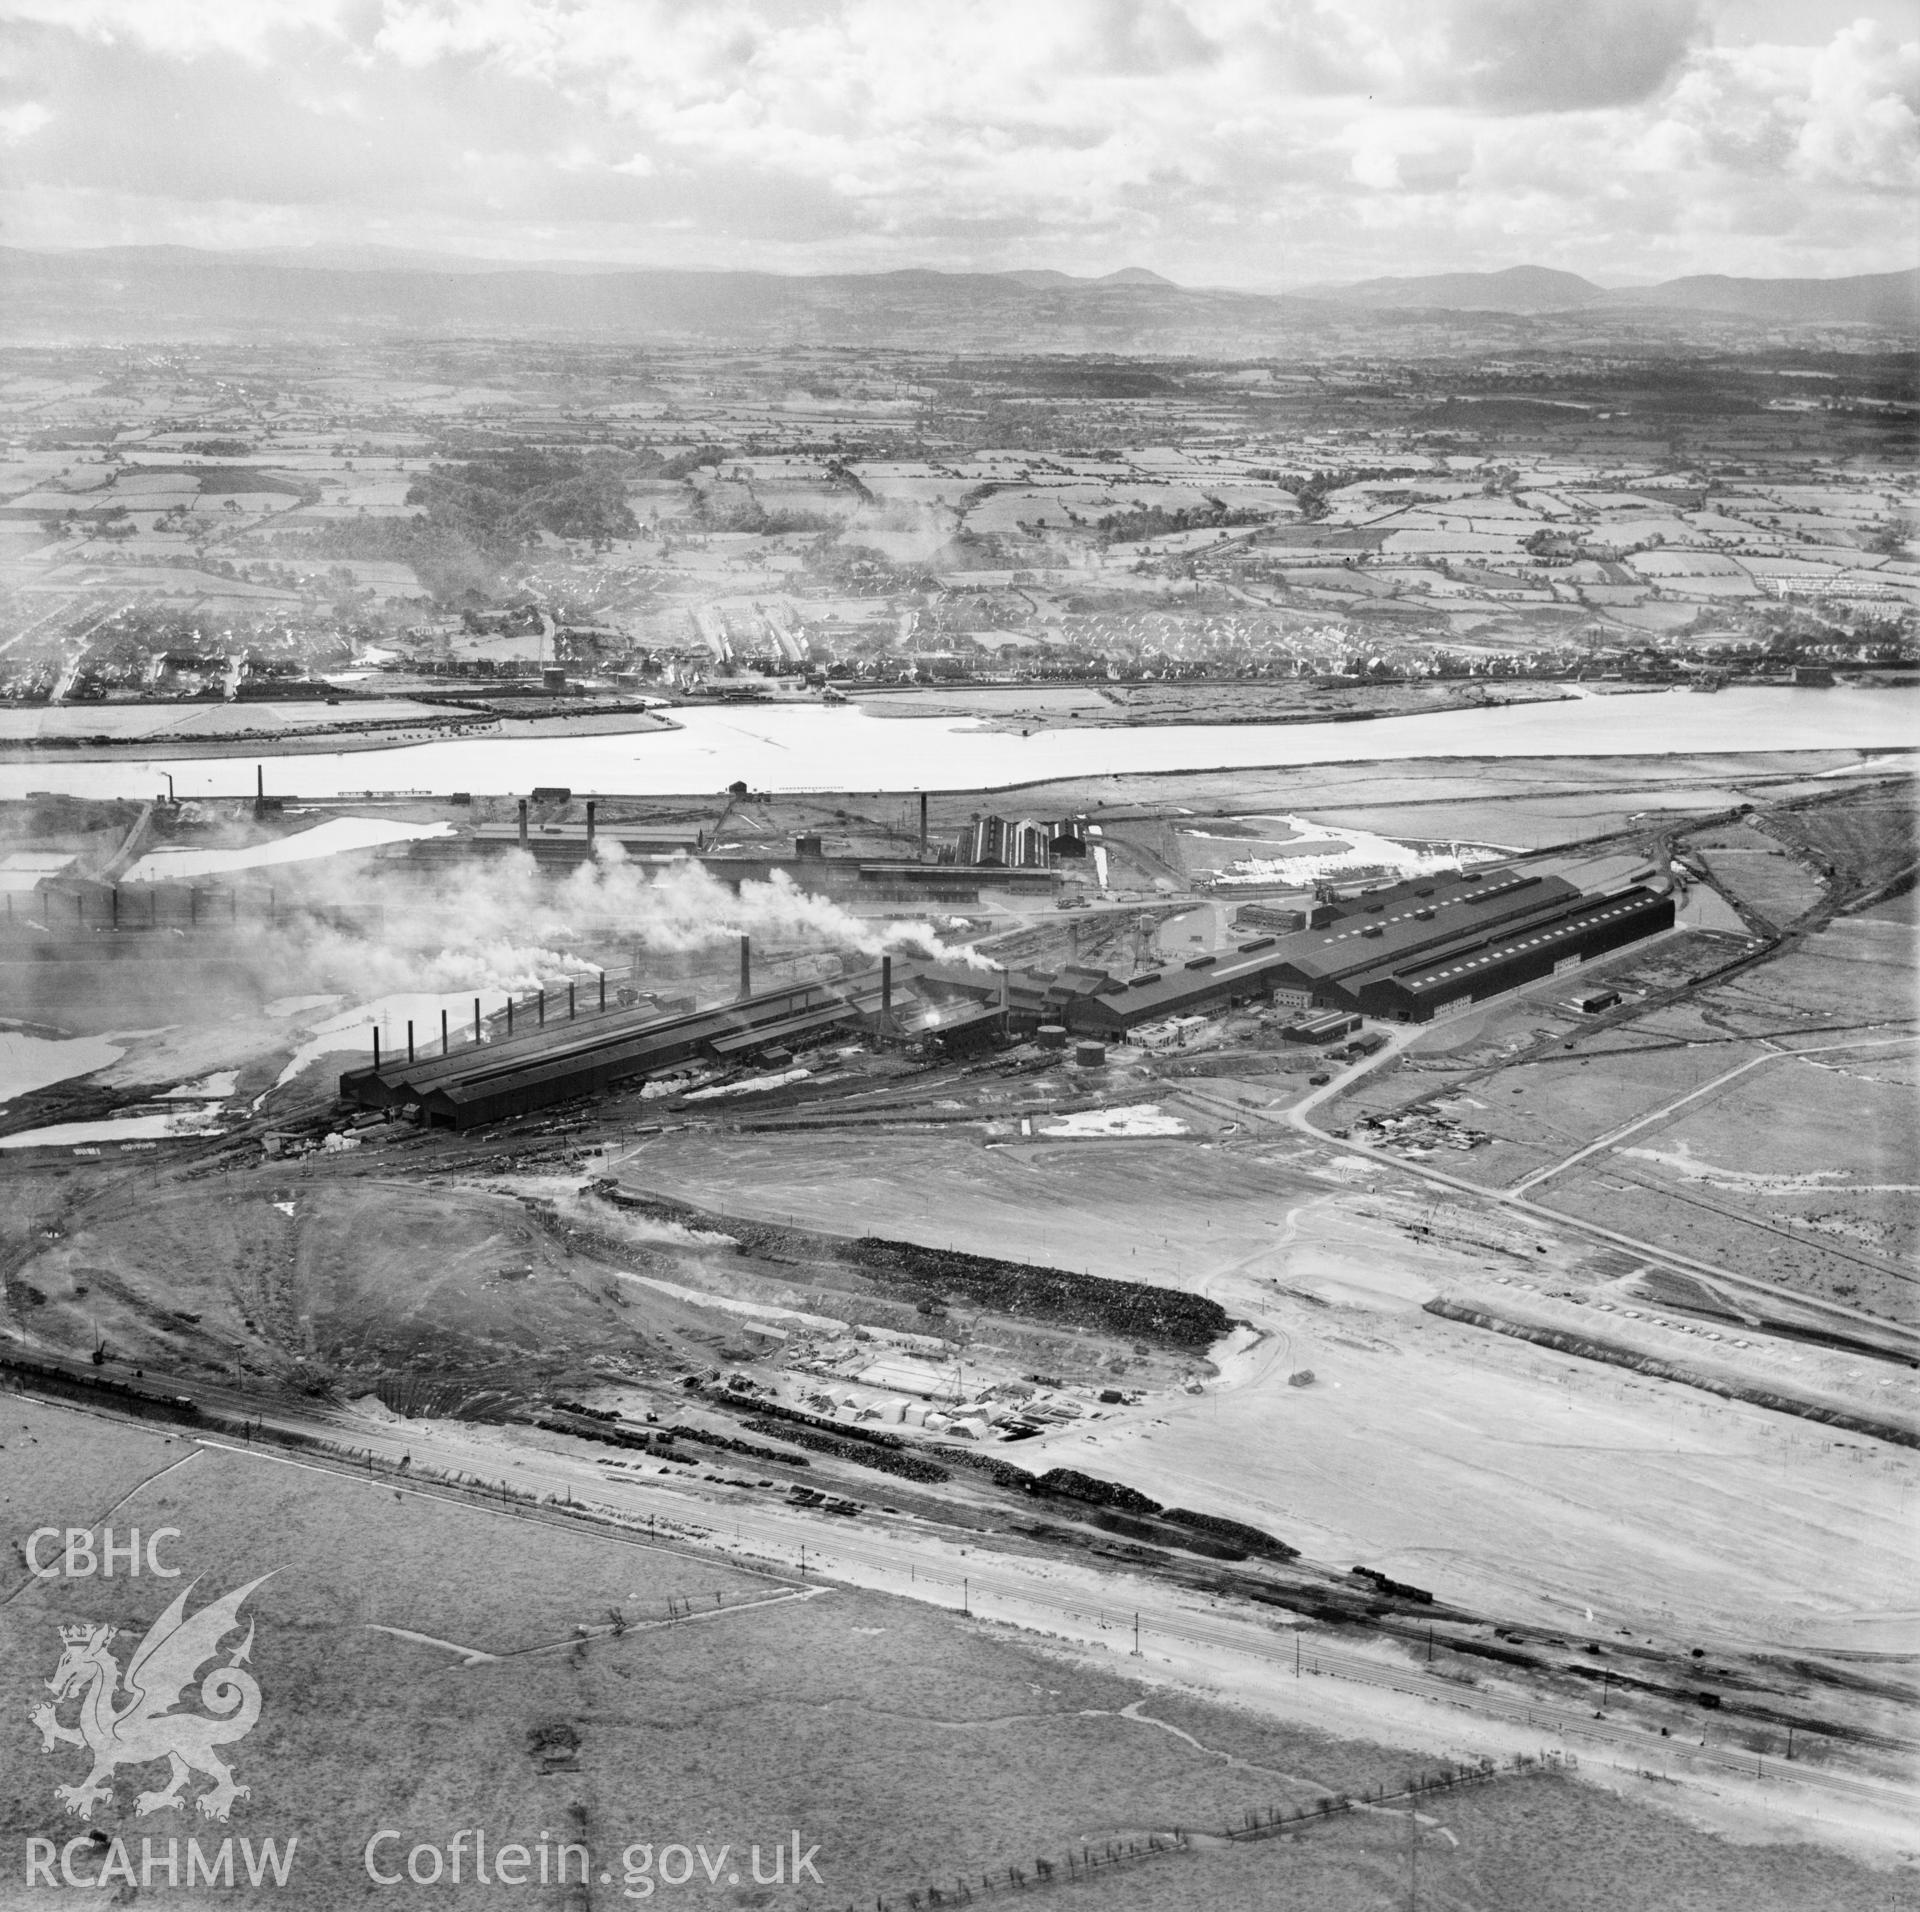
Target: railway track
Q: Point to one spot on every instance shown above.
(799, 1546)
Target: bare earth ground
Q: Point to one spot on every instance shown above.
(1490, 1471)
(475, 1298)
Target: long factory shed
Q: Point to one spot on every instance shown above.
(490, 1082)
(1201, 983)
(1402, 954)
(1452, 979)
(476, 1083)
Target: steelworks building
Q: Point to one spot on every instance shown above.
(1410, 953)
(473, 1083)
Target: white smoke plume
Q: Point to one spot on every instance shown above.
(683, 906)
(503, 924)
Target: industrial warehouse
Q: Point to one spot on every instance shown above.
(489, 1079)
(1018, 856)
(1406, 954)
(1410, 953)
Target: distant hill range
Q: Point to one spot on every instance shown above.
(158, 292)
(1518, 289)
(1877, 298)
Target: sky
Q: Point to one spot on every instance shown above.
(1256, 143)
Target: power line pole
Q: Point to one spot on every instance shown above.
(1413, 1858)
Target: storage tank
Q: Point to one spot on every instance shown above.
(1090, 1055)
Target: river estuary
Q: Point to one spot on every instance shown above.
(808, 747)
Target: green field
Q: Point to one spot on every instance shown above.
(906, 1745)
(1544, 1843)
(910, 1747)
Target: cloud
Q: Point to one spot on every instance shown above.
(1192, 135)
(183, 28)
(1862, 121)
(22, 121)
(1847, 119)
(1532, 56)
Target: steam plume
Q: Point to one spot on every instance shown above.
(505, 925)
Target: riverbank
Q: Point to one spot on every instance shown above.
(705, 749)
(76, 741)
(1227, 701)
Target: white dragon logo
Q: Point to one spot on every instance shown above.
(145, 1728)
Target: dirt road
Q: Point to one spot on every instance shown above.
(1847, 1319)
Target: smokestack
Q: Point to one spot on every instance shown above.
(886, 985)
(509, 1018)
(259, 783)
(523, 823)
(923, 823)
(543, 1005)
(590, 807)
(1006, 1002)
(409, 1039)
(570, 1008)
(476, 1022)
(603, 991)
(444, 1044)
(746, 968)
(376, 1048)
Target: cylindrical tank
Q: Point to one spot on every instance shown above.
(1090, 1055)
(1050, 1035)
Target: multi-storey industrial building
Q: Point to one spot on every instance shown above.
(997, 843)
